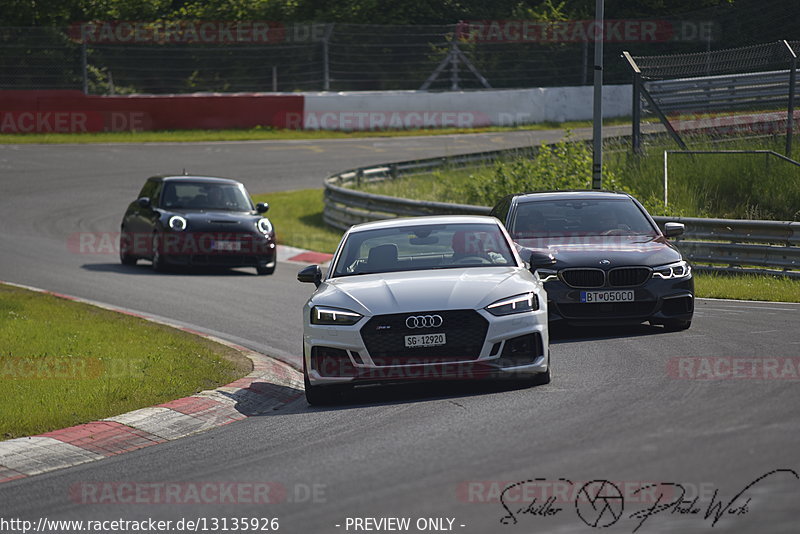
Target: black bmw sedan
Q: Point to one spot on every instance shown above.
(602, 258)
(197, 221)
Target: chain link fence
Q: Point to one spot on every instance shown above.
(121, 58)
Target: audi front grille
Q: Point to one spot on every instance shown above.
(384, 336)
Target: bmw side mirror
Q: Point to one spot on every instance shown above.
(262, 207)
(310, 274)
(541, 260)
(144, 202)
(674, 229)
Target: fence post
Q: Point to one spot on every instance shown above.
(326, 67)
(454, 67)
(85, 67)
(274, 78)
(792, 84)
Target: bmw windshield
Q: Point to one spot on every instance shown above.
(413, 247)
(580, 217)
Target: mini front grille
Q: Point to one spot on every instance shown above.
(584, 277)
(628, 276)
(465, 331)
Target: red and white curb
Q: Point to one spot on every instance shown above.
(302, 256)
(270, 385)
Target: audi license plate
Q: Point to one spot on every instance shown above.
(230, 246)
(425, 340)
(607, 296)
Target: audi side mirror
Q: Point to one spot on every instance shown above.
(311, 274)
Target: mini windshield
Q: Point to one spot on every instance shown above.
(205, 196)
(579, 217)
(415, 247)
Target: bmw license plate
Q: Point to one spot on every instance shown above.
(229, 246)
(606, 296)
(425, 340)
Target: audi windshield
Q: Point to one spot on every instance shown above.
(415, 247)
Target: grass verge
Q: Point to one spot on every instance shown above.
(64, 363)
(269, 134)
(297, 216)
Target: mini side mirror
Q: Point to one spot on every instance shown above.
(144, 202)
(262, 207)
(310, 274)
(674, 229)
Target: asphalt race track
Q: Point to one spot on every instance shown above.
(622, 407)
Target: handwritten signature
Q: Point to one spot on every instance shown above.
(600, 503)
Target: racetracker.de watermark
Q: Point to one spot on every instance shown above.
(206, 492)
(385, 120)
(574, 31)
(172, 244)
(733, 368)
(42, 121)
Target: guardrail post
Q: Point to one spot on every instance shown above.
(393, 171)
(359, 177)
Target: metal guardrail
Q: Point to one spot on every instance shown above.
(725, 245)
(732, 91)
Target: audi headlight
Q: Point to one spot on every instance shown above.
(331, 316)
(526, 302)
(264, 226)
(177, 223)
(680, 269)
(546, 275)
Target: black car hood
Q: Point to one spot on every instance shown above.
(589, 250)
(217, 220)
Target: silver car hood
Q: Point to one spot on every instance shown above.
(400, 292)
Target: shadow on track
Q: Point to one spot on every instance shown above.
(567, 334)
(396, 394)
(146, 269)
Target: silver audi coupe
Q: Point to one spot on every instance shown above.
(424, 298)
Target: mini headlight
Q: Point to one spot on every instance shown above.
(680, 269)
(177, 223)
(546, 275)
(324, 315)
(264, 226)
(526, 302)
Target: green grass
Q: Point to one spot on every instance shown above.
(63, 363)
(267, 134)
(747, 287)
(738, 186)
(297, 216)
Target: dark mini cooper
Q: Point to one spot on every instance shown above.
(197, 221)
(610, 262)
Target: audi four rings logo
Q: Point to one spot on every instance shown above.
(424, 321)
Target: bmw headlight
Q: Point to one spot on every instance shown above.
(177, 223)
(264, 226)
(680, 269)
(334, 316)
(526, 302)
